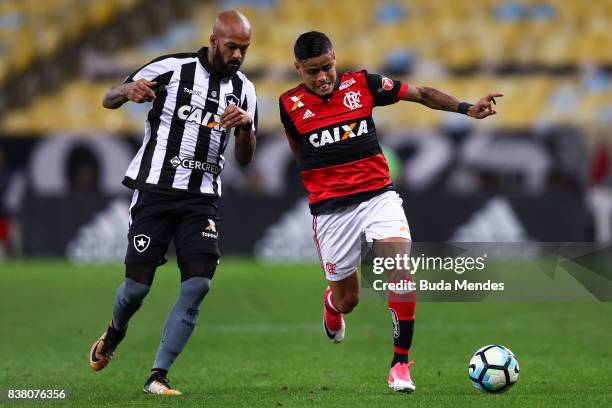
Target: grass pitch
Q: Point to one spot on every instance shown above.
(259, 342)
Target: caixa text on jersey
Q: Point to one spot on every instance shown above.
(198, 115)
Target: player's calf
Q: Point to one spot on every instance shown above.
(181, 321)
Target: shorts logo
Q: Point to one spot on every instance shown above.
(297, 103)
(396, 327)
(330, 268)
(141, 242)
(211, 230)
(231, 99)
(386, 84)
(352, 100)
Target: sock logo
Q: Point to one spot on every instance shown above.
(396, 326)
(192, 312)
(141, 242)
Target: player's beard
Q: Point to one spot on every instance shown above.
(225, 69)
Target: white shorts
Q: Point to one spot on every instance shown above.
(339, 235)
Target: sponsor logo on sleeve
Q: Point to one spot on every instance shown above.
(297, 103)
(386, 84)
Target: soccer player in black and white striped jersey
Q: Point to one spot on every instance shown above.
(199, 100)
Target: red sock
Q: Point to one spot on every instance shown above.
(329, 303)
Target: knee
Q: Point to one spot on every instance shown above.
(194, 289)
(348, 303)
(132, 292)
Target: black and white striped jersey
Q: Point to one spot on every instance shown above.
(183, 144)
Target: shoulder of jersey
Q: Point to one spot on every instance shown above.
(181, 55)
(245, 79)
(291, 92)
(351, 74)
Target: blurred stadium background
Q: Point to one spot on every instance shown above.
(540, 170)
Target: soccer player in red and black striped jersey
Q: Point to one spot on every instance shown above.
(329, 126)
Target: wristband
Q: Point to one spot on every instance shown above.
(464, 107)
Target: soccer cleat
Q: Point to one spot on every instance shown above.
(333, 325)
(159, 385)
(399, 378)
(102, 350)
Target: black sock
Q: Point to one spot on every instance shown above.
(399, 358)
(158, 373)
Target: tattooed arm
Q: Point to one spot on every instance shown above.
(435, 99)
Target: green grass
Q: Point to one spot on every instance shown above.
(259, 342)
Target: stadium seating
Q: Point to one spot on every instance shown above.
(466, 48)
(31, 29)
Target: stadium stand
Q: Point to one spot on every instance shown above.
(552, 58)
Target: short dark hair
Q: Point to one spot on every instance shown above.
(310, 45)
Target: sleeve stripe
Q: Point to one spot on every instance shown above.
(403, 90)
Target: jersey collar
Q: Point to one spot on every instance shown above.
(325, 98)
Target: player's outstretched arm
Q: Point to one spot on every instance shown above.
(138, 91)
(439, 100)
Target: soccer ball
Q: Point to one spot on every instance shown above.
(494, 369)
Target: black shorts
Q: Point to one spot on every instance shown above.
(156, 218)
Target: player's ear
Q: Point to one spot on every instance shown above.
(297, 67)
(213, 41)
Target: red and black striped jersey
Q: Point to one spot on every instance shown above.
(341, 160)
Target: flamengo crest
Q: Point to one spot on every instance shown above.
(352, 100)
